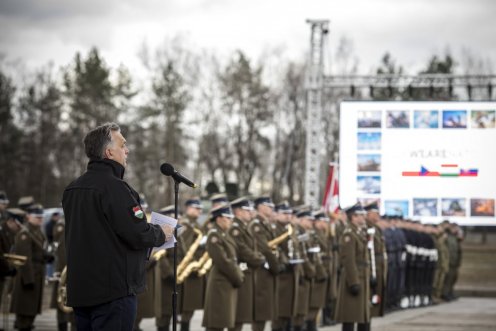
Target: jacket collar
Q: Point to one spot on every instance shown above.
(107, 165)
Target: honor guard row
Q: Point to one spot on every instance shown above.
(254, 262)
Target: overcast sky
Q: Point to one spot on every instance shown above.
(37, 31)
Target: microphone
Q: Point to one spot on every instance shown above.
(168, 170)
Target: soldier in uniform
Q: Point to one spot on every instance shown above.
(25, 202)
(4, 203)
(378, 285)
(192, 291)
(265, 289)
(28, 287)
(302, 221)
(442, 264)
(58, 230)
(454, 249)
(9, 227)
(320, 253)
(328, 311)
(248, 257)
(164, 282)
(288, 278)
(353, 305)
(225, 277)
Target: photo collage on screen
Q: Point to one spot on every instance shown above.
(369, 156)
(370, 124)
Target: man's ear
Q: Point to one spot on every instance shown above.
(108, 153)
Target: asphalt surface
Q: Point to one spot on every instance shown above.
(465, 314)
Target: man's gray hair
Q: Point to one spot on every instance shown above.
(98, 139)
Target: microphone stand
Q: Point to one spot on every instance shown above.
(174, 292)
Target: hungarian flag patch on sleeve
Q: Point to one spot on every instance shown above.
(138, 213)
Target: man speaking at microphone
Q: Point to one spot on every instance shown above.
(107, 236)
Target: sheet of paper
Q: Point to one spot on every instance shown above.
(160, 219)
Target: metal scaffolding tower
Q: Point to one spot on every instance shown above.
(314, 85)
(391, 87)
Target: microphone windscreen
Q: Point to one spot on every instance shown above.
(167, 169)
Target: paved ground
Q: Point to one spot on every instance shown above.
(466, 314)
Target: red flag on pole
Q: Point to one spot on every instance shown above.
(331, 196)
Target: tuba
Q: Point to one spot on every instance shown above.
(62, 292)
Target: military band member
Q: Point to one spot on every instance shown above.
(302, 222)
(328, 311)
(63, 318)
(442, 265)
(248, 257)
(25, 202)
(218, 200)
(322, 255)
(192, 291)
(378, 285)
(353, 304)
(9, 227)
(4, 203)
(28, 286)
(225, 277)
(164, 283)
(265, 298)
(146, 300)
(288, 278)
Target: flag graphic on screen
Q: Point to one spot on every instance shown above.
(448, 170)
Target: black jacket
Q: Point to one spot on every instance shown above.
(107, 236)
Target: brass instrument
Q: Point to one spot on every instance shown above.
(183, 266)
(278, 240)
(206, 264)
(16, 260)
(159, 254)
(193, 266)
(62, 292)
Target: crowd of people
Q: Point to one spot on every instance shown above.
(254, 262)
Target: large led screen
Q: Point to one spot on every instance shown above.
(426, 161)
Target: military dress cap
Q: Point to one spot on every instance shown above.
(222, 210)
(300, 208)
(320, 215)
(25, 202)
(355, 209)
(243, 203)
(264, 200)
(35, 209)
(195, 203)
(284, 208)
(373, 206)
(16, 213)
(218, 198)
(3, 197)
(167, 210)
(305, 213)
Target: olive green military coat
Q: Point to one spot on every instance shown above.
(28, 285)
(249, 256)
(223, 282)
(355, 270)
